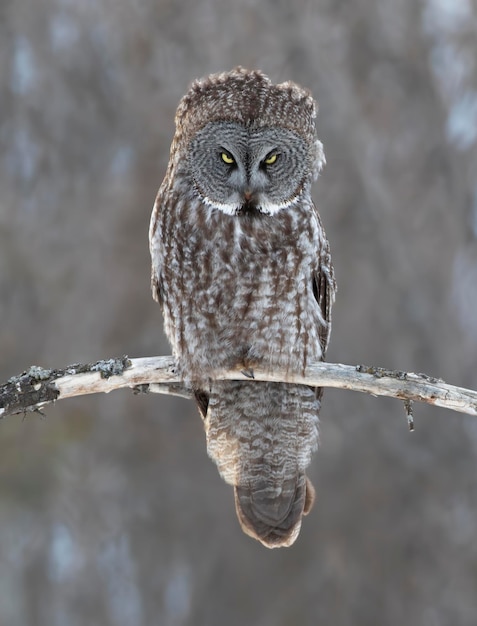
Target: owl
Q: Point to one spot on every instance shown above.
(241, 267)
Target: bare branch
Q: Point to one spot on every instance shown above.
(37, 387)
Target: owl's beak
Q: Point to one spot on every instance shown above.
(249, 204)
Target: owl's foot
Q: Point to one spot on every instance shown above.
(248, 372)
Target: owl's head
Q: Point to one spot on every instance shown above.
(247, 145)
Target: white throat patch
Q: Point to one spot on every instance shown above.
(233, 208)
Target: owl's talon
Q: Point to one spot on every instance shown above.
(248, 372)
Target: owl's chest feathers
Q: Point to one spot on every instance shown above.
(236, 258)
(251, 297)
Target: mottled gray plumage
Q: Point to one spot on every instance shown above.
(242, 269)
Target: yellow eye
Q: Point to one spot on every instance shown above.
(270, 160)
(227, 158)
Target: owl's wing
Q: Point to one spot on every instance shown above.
(324, 287)
(156, 285)
(155, 248)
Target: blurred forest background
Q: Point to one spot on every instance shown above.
(110, 512)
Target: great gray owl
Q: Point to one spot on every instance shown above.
(241, 266)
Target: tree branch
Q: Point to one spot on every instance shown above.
(33, 389)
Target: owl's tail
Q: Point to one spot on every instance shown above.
(274, 519)
(262, 436)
